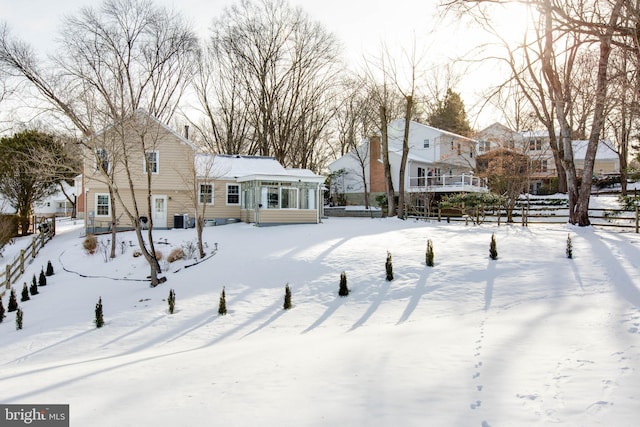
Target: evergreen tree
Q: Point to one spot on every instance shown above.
(49, 271)
(449, 114)
(2, 316)
(42, 280)
(569, 247)
(429, 256)
(172, 301)
(222, 306)
(13, 302)
(493, 250)
(287, 297)
(19, 319)
(344, 290)
(34, 287)
(25, 293)
(389, 267)
(99, 320)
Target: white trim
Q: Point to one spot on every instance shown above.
(108, 214)
(213, 189)
(157, 161)
(239, 194)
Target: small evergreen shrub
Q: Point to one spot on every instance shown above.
(429, 256)
(344, 290)
(42, 280)
(222, 306)
(34, 286)
(389, 267)
(99, 320)
(25, 293)
(13, 302)
(49, 271)
(2, 316)
(90, 244)
(493, 250)
(172, 301)
(19, 319)
(569, 247)
(287, 297)
(175, 255)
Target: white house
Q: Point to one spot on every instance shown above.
(438, 162)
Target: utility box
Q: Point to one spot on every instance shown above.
(180, 221)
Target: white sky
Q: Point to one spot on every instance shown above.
(361, 26)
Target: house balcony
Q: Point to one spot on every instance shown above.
(448, 184)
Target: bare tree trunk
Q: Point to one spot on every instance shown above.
(391, 207)
(402, 209)
(598, 116)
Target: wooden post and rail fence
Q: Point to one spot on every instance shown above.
(15, 269)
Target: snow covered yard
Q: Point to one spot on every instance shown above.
(533, 338)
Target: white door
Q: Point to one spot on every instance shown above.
(159, 204)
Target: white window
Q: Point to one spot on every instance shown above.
(151, 162)
(425, 143)
(308, 199)
(102, 160)
(233, 194)
(102, 205)
(206, 194)
(289, 198)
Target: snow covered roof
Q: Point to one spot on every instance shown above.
(605, 152)
(247, 168)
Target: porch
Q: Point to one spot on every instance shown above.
(447, 184)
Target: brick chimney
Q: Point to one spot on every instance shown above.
(376, 166)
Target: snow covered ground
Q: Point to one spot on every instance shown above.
(533, 338)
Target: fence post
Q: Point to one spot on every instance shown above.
(637, 219)
(33, 247)
(21, 261)
(7, 276)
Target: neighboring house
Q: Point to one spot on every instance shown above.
(185, 184)
(439, 162)
(57, 204)
(535, 145)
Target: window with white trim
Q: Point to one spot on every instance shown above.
(151, 161)
(102, 159)
(426, 143)
(233, 194)
(289, 198)
(205, 194)
(103, 207)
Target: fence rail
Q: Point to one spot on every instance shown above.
(15, 269)
(536, 214)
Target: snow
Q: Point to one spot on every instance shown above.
(532, 338)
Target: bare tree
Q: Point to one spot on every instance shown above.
(119, 58)
(285, 65)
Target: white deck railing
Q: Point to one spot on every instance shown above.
(442, 183)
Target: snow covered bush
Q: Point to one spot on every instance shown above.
(13, 302)
(2, 316)
(34, 286)
(19, 319)
(493, 250)
(429, 256)
(49, 271)
(99, 320)
(25, 293)
(389, 267)
(175, 255)
(569, 250)
(42, 280)
(90, 244)
(172, 301)
(344, 290)
(222, 306)
(287, 297)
